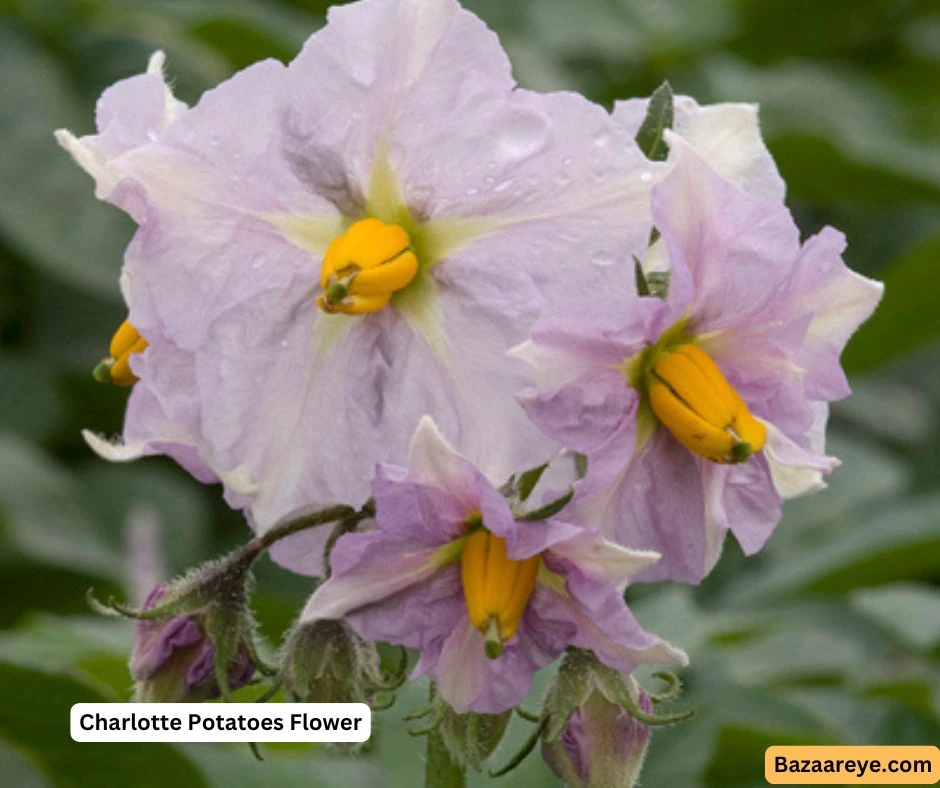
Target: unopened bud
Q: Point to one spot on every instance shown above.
(174, 660)
(601, 745)
(470, 737)
(326, 662)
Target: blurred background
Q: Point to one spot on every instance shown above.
(832, 635)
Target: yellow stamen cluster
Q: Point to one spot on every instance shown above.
(364, 267)
(497, 588)
(115, 368)
(691, 397)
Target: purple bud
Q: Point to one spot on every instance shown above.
(602, 744)
(172, 660)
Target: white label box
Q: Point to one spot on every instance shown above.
(221, 722)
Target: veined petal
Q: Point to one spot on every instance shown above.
(366, 569)
(468, 680)
(395, 71)
(610, 631)
(738, 250)
(839, 300)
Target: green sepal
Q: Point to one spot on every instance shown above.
(571, 688)
(548, 510)
(471, 737)
(527, 481)
(660, 115)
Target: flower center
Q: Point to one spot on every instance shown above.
(695, 402)
(497, 588)
(115, 368)
(364, 267)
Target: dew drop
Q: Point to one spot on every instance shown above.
(258, 260)
(646, 177)
(602, 258)
(523, 134)
(602, 139)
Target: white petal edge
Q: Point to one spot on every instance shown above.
(794, 471)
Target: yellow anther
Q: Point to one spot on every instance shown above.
(497, 588)
(691, 397)
(115, 368)
(364, 267)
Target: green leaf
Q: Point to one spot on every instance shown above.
(154, 515)
(29, 405)
(910, 611)
(40, 515)
(17, 769)
(812, 112)
(907, 316)
(897, 542)
(34, 718)
(51, 215)
(660, 115)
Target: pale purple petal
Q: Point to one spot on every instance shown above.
(599, 562)
(132, 113)
(712, 229)
(582, 396)
(839, 301)
(470, 681)
(398, 74)
(652, 500)
(727, 136)
(368, 568)
(795, 470)
(420, 617)
(742, 499)
(608, 629)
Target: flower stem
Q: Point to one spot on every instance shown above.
(322, 517)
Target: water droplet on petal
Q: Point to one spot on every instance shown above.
(602, 139)
(646, 177)
(258, 260)
(523, 134)
(602, 258)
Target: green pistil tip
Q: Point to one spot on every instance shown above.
(336, 292)
(741, 451)
(102, 372)
(494, 645)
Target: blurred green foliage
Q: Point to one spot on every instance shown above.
(831, 635)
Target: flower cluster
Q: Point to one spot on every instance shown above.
(384, 279)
